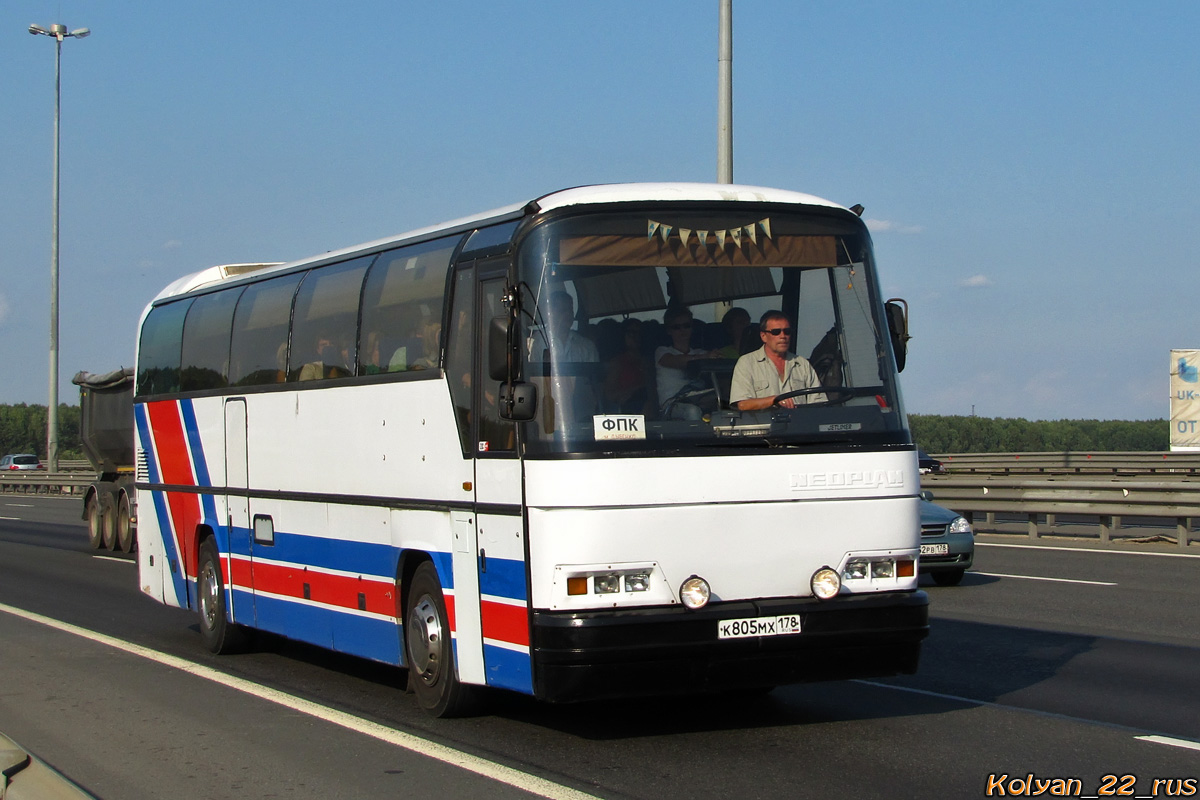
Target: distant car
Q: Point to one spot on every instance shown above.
(947, 544)
(927, 463)
(20, 461)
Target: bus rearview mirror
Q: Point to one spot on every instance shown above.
(518, 401)
(897, 318)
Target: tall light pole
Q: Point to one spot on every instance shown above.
(58, 33)
(725, 94)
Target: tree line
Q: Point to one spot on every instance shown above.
(942, 434)
(23, 430)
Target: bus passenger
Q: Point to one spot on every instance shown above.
(627, 374)
(735, 322)
(671, 365)
(764, 374)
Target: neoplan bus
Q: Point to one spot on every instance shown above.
(412, 451)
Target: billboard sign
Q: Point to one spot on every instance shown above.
(1185, 399)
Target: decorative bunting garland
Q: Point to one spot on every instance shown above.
(735, 234)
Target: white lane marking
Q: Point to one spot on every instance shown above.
(447, 755)
(16, 518)
(114, 558)
(1153, 738)
(1170, 741)
(19, 505)
(1036, 578)
(1084, 550)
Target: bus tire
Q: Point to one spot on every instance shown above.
(108, 521)
(432, 676)
(219, 634)
(95, 525)
(126, 537)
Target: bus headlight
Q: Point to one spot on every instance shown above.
(607, 584)
(825, 583)
(694, 593)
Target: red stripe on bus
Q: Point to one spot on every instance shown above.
(505, 623)
(341, 591)
(166, 427)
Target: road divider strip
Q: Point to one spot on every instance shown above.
(1085, 550)
(407, 741)
(1038, 578)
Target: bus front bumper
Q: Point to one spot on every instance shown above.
(594, 655)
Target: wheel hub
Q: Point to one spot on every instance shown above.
(425, 640)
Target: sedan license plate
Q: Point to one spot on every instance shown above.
(938, 549)
(784, 625)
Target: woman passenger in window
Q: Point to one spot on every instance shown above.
(671, 364)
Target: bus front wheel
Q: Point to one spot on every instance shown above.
(431, 671)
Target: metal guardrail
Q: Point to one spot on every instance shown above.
(1153, 463)
(40, 482)
(1042, 499)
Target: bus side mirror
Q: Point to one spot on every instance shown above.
(498, 348)
(897, 318)
(518, 401)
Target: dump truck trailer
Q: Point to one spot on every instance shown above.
(106, 432)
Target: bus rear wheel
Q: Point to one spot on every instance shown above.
(432, 675)
(220, 635)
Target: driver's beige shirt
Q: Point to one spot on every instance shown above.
(755, 375)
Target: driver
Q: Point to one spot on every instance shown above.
(761, 375)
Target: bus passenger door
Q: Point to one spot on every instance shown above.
(489, 580)
(237, 502)
(504, 606)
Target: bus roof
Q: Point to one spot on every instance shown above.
(578, 196)
(678, 192)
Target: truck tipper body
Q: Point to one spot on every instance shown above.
(106, 432)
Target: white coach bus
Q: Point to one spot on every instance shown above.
(459, 450)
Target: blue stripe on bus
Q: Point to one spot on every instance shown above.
(444, 563)
(366, 637)
(196, 447)
(342, 555)
(504, 578)
(507, 669)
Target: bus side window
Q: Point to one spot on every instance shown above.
(494, 433)
(459, 355)
(159, 349)
(324, 320)
(260, 330)
(402, 296)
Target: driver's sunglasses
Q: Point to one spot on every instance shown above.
(778, 331)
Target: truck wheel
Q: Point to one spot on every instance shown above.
(220, 635)
(108, 521)
(126, 536)
(95, 525)
(431, 672)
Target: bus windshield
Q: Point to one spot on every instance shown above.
(633, 325)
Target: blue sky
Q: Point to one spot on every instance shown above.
(1027, 168)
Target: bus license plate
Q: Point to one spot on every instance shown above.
(758, 626)
(939, 549)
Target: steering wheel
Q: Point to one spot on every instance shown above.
(834, 395)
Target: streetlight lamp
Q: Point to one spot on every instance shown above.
(58, 32)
